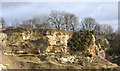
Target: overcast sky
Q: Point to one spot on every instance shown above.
(103, 12)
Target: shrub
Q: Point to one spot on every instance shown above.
(103, 47)
(113, 51)
(97, 42)
(93, 32)
(80, 40)
(90, 55)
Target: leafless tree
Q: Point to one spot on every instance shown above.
(40, 22)
(106, 29)
(88, 23)
(56, 19)
(63, 20)
(36, 22)
(97, 29)
(103, 29)
(44, 22)
(26, 24)
(3, 24)
(15, 24)
(70, 21)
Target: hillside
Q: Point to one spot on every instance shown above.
(49, 49)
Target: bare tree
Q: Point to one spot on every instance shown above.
(103, 29)
(15, 24)
(56, 19)
(40, 22)
(63, 20)
(88, 23)
(74, 22)
(36, 22)
(44, 22)
(106, 29)
(97, 29)
(26, 24)
(70, 21)
(2, 21)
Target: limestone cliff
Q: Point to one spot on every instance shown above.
(36, 39)
(52, 49)
(45, 41)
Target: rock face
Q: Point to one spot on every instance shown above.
(3, 37)
(80, 59)
(57, 40)
(45, 41)
(52, 46)
(37, 39)
(3, 67)
(95, 49)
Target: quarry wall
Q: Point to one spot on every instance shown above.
(44, 41)
(36, 39)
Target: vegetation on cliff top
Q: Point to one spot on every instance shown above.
(80, 40)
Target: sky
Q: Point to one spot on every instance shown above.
(103, 12)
